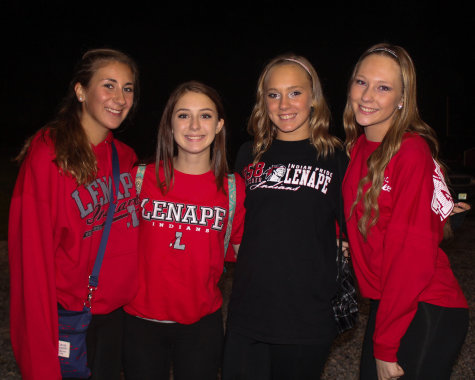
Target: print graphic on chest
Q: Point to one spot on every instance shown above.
(290, 177)
(92, 202)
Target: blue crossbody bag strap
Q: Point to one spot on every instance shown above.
(94, 277)
(232, 207)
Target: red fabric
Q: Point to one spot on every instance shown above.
(401, 263)
(51, 253)
(179, 274)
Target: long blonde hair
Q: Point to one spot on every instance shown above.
(261, 127)
(406, 119)
(73, 152)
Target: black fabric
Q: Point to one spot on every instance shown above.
(429, 347)
(285, 274)
(248, 359)
(104, 345)
(194, 351)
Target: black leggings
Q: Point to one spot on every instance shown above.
(429, 347)
(248, 359)
(195, 350)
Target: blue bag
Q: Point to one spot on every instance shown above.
(72, 342)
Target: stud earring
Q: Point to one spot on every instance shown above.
(80, 99)
(399, 106)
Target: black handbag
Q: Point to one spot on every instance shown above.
(344, 303)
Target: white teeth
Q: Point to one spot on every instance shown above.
(113, 110)
(194, 137)
(286, 117)
(366, 109)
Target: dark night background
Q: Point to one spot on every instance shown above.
(226, 45)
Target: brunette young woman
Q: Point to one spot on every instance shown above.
(57, 213)
(396, 204)
(176, 319)
(280, 323)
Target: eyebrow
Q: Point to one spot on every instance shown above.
(201, 109)
(288, 88)
(115, 81)
(377, 80)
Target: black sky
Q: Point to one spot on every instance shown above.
(226, 46)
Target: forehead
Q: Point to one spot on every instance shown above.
(195, 100)
(287, 75)
(380, 67)
(114, 70)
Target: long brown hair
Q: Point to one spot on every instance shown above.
(261, 127)
(167, 148)
(73, 152)
(406, 119)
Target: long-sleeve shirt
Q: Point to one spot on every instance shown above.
(55, 228)
(400, 263)
(181, 246)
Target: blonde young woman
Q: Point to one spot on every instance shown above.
(280, 322)
(176, 318)
(57, 213)
(396, 204)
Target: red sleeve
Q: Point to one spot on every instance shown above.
(238, 222)
(33, 308)
(410, 245)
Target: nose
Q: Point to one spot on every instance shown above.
(284, 103)
(119, 97)
(367, 94)
(194, 124)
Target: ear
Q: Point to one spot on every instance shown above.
(220, 125)
(401, 103)
(80, 93)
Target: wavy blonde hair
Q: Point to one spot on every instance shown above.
(406, 119)
(264, 131)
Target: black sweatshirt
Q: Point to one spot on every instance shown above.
(285, 275)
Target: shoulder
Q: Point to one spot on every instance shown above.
(41, 150)
(125, 151)
(245, 149)
(240, 184)
(244, 156)
(413, 147)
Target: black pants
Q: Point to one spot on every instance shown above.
(430, 346)
(195, 350)
(104, 345)
(248, 359)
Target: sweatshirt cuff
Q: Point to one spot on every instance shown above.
(383, 352)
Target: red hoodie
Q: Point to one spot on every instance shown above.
(401, 263)
(55, 227)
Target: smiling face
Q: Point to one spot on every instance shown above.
(376, 95)
(195, 123)
(288, 95)
(107, 100)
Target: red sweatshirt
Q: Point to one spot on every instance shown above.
(401, 263)
(55, 227)
(181, 246)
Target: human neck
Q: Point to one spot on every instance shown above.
(192, 165)
(375, 133)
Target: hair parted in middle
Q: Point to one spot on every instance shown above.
(261, 127)
(167, 148)
(74, 155)
(406, 119)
